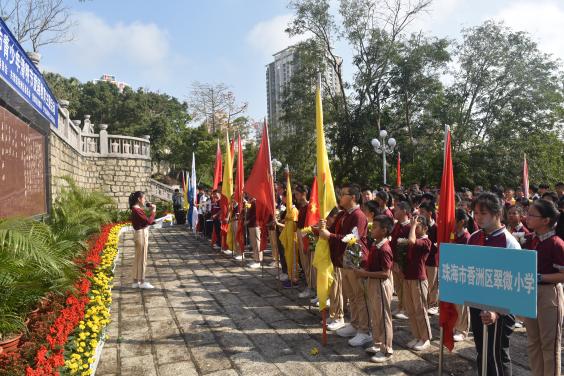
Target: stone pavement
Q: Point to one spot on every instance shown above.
(210, 316)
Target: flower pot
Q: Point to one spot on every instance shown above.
(11, 344)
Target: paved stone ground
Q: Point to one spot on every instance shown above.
(210, 316)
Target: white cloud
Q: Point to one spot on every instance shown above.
(543, 20)
(132, 51)
(440, 11)
(268, 37)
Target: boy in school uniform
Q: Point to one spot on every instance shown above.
(382, 199)
(427, 210)
(415, 284)
(377, 269)
(462, 325)
(544, 333)
(399, 231)
(353, 289)
(488, 211)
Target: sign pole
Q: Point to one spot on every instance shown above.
(441, 352)
(485, 350)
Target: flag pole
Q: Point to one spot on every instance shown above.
(441, 351)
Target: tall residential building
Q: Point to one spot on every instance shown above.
(278, 75)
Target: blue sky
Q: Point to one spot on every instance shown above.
(165, 45)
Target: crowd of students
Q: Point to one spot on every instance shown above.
(397, 233)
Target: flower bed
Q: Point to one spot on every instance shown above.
(64, 334)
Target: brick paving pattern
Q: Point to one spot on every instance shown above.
(208, 315)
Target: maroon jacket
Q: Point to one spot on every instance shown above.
(139, 219)
(343, 225)
(550, 252)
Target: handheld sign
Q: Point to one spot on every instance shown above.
(497, 278)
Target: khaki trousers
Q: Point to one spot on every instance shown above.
(254, 235)
(544, 333)
(336, 296)
(274, 244)
(397, 276)
(141, 239)
(415, 302)
(234, 225)
(353, 290)
(306, 260)
(432, 278)
(463, 322)
(379, 296)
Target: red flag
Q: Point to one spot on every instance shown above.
(312, 215)
(260, 184)
(217, 171)
(239, 181)
(233, 150)
(525, 176)
(398, 175)
(445, 234)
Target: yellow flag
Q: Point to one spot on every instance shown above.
(288, 236)
(327, 201)
(227, 184)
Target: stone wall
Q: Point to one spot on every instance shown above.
(115, 176)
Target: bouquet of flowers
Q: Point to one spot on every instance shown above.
(353, 252)
(400, 254)
(311, 238)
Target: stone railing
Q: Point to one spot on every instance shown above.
(160, 190)
(102, 144)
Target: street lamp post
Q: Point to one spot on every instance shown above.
(381, 147)
(276, 164)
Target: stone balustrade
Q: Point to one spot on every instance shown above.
(159, 190)
(88, 143)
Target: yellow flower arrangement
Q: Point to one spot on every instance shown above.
(306, 230)
(97, 315)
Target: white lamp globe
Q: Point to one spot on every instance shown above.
(375, 143)
(383, 133)
(392, 142)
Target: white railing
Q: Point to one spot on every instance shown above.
(160, 190)
(102, 144)
(90, 143)
(134, 146)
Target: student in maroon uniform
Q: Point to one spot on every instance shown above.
(427, 210)
(382, 199)
(415, 285)
(400, 231)
(488, 211)
(140, 224)
(515, 223)
(544, 333)
(462, 325)
(379, 289)
(353, 289)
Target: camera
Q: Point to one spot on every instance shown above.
(148, 204)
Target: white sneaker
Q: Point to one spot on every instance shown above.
(458, 337)
(422, 345)
(254, 265)
(401, 316)
(518, 324)
(306, 293)
(329, 321)
(146, 285)
(346, 331)
(372, 350)
(215, 246)
(433, 311)
(227, 252)
(336, 325)
(273, 264)
(360, 339)
(412, 343)
(239, 257)
(380, 357)
(283, 277)
(135, 285)
(315, 301)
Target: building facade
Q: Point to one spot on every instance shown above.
(278, 76)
